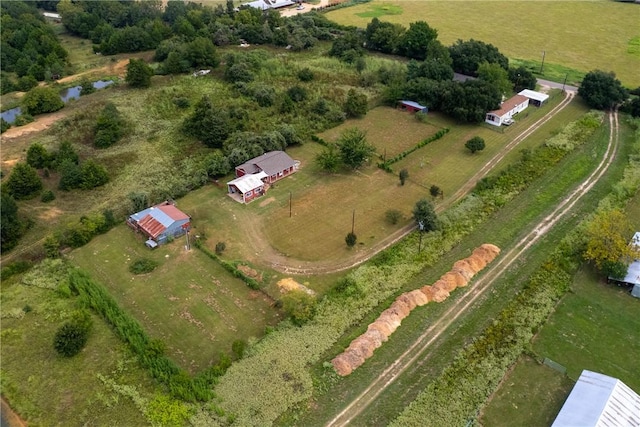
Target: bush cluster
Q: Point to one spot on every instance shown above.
(143, 266)
(72, 336)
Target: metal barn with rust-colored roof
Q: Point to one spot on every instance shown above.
(160, 222)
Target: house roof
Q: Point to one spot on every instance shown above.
(156, 219)
(248, 182)
(413, 104)
(598, 400)
(509, 105)
(532, 94)
(269, 4)
(271, 163)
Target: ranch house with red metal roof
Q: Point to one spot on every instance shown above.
(160, 223)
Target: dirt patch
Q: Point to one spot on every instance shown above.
(248, 271)
(50, 214)
(267, 201)
(288, 285)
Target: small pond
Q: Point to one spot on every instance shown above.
(66, 95)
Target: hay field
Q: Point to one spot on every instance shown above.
(581, 35)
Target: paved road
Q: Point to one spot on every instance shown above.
(548, 83)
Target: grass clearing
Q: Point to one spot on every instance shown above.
(570, 33)
(595, 327)
(530, 395)
(79, 394)
(190, 302)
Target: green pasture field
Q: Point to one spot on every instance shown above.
(588, 347)
(189, 301)
(503, 229)
(595, 327)
(47, 389)
(531, 394)
(323, 205)
(579, 35)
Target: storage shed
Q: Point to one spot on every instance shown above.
(535, 98)
(160, 222)
(412, 107)
(598, 400)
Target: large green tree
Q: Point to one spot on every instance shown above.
(602, 90)
(109, 126)
(415, 41)
(10, 224)
(356, 104)
(354, 148)
(210, 125)
(468, 55)
(138, 73)
(42, 100)
(494, 74)
(425, 216)
(24, 182)
(607, 239)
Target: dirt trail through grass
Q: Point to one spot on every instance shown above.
(267, 255)
(421, 348)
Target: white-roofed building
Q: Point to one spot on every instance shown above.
(269, 4)
(535, 98)
(248, 187)
(598, 400)
(508, 109)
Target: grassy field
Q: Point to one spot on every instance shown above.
(579, 35)
(530, 395)
(503, 229)
(189, 301)
(586, 332)
(595, 327)
(46, 389)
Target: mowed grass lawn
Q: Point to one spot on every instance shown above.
(581, 35)
(196, 307)
(531, 395)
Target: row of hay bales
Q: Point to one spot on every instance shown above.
(378, 332)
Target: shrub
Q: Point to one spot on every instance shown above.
(181, 102)
(42, 100)
(305, 75)
(351, 239)
(403, 175)
(238, 347)
(143, 266)
(297, 93)
(4, 125)
(47, 196)
(23, 119)
(393, 216)
(475, 144)
(299, 305)
(24, 182)
(220, 247)
(73, 335)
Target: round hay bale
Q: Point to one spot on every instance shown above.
(376, 335)
(362, 346)
(440, 295)
(382, 326)
(353, 358)
(476, 263)
(428, 292)
(448, 282)
(391, 318)
(342, 365)
(418, 297)
(401, 308)
(411, 304)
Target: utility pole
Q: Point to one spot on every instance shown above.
(289, 204)
(353, 222)
(188, 247)
(542, 65)
(565, 81)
